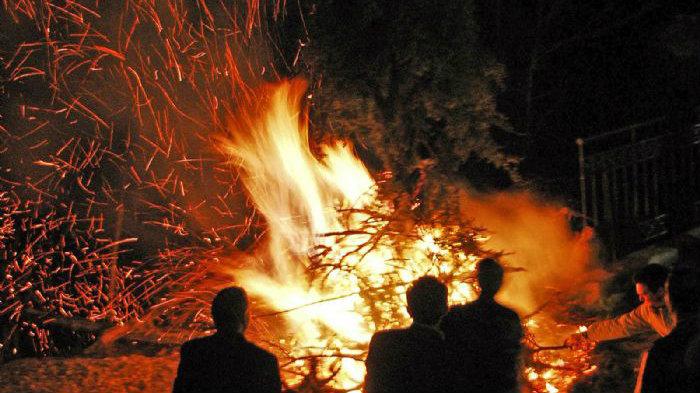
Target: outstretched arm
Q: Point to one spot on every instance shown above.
(626, 325)
(639, 320)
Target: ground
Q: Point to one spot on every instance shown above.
(120, 374)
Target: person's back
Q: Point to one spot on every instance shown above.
(405, 360)
(483, 344)
(226, 364)
(411, 359)
(666, 363)
(226, 361)
(669, 366)
(483, 339)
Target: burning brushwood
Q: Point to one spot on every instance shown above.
(341, 248)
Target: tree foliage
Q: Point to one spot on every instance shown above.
(410, 84)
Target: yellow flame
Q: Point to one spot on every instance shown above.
(532, 375)
(300, 197)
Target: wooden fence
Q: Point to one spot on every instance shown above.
(640, 183)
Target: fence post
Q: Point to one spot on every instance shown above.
(582, 177)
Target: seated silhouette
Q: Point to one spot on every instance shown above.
(226, 361)
(411, 360)
(483, 339)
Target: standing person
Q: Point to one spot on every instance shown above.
(669, 367)
(226, 361)
(652, 316)
(411, 359)
(483, 339)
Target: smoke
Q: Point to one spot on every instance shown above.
(537, 237)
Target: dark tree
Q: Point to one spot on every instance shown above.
(409, 83)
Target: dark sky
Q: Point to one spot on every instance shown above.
(590, 68)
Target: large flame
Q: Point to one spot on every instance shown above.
(298, 194)
(302, 198)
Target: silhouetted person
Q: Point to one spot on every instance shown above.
(669, 367)
(226, 361)
(483, 339)
(411, 360)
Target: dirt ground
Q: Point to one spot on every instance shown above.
(121, 374)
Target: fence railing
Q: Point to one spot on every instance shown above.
(640, 183)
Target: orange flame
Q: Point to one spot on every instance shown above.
(297, 194)
(300, 197)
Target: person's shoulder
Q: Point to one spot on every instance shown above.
(389, 334)
(643, 308)
(390, 337)
(198, 342)
(458, 310)
(457, 315)
(383, 340)
(509, 312)
(648, 311)
(259, 351)
(197, 346)
(679, 338)
(663, 345)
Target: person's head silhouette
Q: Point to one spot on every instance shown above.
(230, 310)
(489, 274)
(427, 300)
(683, 293)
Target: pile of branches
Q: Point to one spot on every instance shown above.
(399, 220)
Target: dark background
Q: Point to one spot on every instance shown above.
(581, 68)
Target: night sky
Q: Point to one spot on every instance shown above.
(598, 66)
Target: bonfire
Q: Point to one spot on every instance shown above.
(166, 139)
